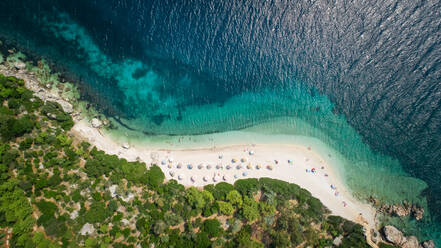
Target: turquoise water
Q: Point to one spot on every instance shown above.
(359, 82)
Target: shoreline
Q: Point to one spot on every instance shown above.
(319, 185)
(302, 159)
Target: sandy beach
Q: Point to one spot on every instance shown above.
(288, 162)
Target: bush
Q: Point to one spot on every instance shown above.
(247, 186)
(212, 227)
(154, 177)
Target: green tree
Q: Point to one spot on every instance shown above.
(234, 198)
(225, 208)
(250, 209)
(195, 198)
(212, 227)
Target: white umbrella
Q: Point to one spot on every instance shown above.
(180, 177)
(244, 174)
(193, 178)
(208, 167)
(228, 167)
(218, 166)
(179, 166)
(200, 166)
(163, 162)
(216, 178)
(170, 160)
(251, 152)
(205, 178)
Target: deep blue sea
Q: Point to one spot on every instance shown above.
(364, 77)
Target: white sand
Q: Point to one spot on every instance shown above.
(302, 159)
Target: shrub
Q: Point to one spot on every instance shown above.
(247, 186)
(212, 227)
(154, 177)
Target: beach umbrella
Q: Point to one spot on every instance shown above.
(228, 167)
(216, 178)
(269, 167)
(289, 161)
(181, 176)
(235, 176)
(172, 174)
(205, 178)
(234, 160)
(239, 167)
(225, 178)
(170, 160)
(258, 166)
(200, 166)
(193, 178)
(169, 165)
(190, 166)
(244, 174)
(249, 167)
(221, 156)
(218, 166)
(243, 160)
(208, 166)
(251, 152)
(179, 166)
(163, 162)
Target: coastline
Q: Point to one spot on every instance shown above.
(264, 154)
(319, 185)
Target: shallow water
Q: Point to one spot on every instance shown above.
(360, 77)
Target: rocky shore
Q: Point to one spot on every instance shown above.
(400, 210)
(394, 236)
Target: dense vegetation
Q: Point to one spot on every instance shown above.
(51, 185)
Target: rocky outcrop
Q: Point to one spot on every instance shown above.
(87, 229)
(96, 123)
(411, 242)
(400, 210)
(19, 65)
(428, 244)
(393, 235)
(32, 84)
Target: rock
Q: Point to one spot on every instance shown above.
(126, 146)
(393, 235)
(74, 214)
(112, 190)
(417, 212)
(411, 242)
(52, 116)
(428, 244)
(87, 229)
(19, 65)
(67, 107)
(375, 236)
(125, 222)
(338, 240)
(400, 211)
(96, 123)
